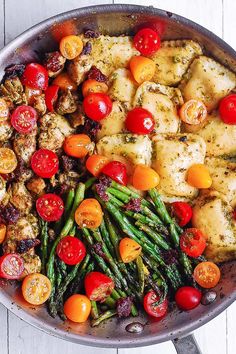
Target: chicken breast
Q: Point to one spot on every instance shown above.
(24, 146)
(2, 188)
(213, 216)
(32, 264)
(6, 131)
(20, 197)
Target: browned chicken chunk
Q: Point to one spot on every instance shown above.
(32, 264)
(36, 185)
(13, 90)
(39, 105)
(20, 197)
(24, 145)
(5, 131)
(66, 103)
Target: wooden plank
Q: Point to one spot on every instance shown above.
(229, 29)
(231, 338)
(4, 330)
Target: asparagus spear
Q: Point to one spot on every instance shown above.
(104, 316)
(141, 276)
(44, 244)
(94, 310)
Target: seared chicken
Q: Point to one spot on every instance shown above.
(32, 264)
(13, 90)
(20, 197)
(66, 103)
(36, 185)
(24, 145)
(39, 105)
(2, 188)
(6, 131)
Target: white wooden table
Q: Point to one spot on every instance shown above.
(17, 337)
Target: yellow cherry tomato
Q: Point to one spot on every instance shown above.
(36, 288)
(198, 176)
(89, 214)
(71, 46)
(142, 68)
(3, 230)
(145, 178)
(8, 160)
(77, 308)
(129, 249)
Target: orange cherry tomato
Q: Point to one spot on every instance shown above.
(4, 110)
(89, 214)
(129, 249)
(71, 46)
(142, 68)
(77, 308)
(77, 145)
(3, 230)
(145, 178)
(207, 274)
(95, 164)
(8, 161)
(36, 288)
(93, 86)
(64, 81)
(198, 176)
(193, 112)
(65, 28)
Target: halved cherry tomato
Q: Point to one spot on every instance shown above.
(207, 274)
(71, 250)
(140, 121)
(145, 178)
(95, 164)
(147, 41)
(71, 46)
(129, 249)
(142, 68)
(3, 230)
(154, 310)
(193, 112)
(35, 76)
(182, 212)
(93, 86)
(77, 145)
(24, 119)
(51, 95)
(50, 207)
(97, 106)
(4, 110)
(227, 109)
(44, 163)
(193, 242)
(64, 81)
(11, 266)
(8, 160)
(117, 171)
(98, 286)
(198, 176)
(89, 214)
(36, 288)
(188, 297)
(77, 308)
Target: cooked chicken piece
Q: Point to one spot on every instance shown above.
(66, 103)
(39, 104)
(6, 131)
(69, 179)
(53, 130)
(20, 197)
(54, 62)
(36, 185)
(32, 264)
(2, 188)
(77, 118)
(13, 89)
(213, 216)
(24, 145)
(114, 123)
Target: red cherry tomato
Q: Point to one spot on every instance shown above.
(117, 171)
(50, 207)
(35, 76)
(182, 212)
(44, 163)
(149, 305)
(98, 286)
(97, 106)
(11, 266)
(147, 41)
(71, 250)
(140, 121)
(227, 109)
(24, 119)
(51, 95)
(193, 242)
(187, 298)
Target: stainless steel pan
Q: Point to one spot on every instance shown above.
(114, 20)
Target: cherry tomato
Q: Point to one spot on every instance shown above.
(36, 288)
(140, 121)
(207, 274)
(227, 109)
(193, 242)
(98, 286)
(77, 145)
(117, 171)
(97, 106)
(50, 207)
(198, 176)
(147, 41)
(71, 250)
(93, 86)
(4, 110)
(64, 81)
(187, 298)
(193, 112)
(95, 164)
(182, 212)
(145, 178)
(149, 305)
(77, 308)
(129, 249)
(35, 76)
(71, 46)
(11, 266)
(44, 163)
(51, 95)
(142, 69)
(24, 119)
(3, 230)
(89, 214)
(8, 160)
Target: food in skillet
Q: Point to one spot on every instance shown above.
(118, 177)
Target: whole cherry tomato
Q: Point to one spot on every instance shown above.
(182, 212)
(227, 109)
(98, 286)
(71, 250)
(77, 145)
(51, 95)
(144, 178)
(35, 76)
(97, 106)
(188, 297)
(11, 266)
(95, 164)
(149, 305)
(117, 171)
(193, 242)
(50, 207)
(147, 41)
(44, 163)
(77, 308)
(24, 119)
(140, 121)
